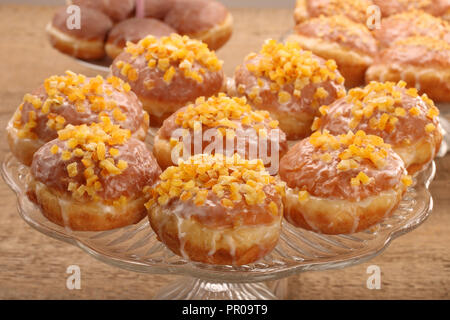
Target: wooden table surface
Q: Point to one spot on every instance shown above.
(33, 266)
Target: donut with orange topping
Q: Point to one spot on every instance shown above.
(133, 30)
(72, 99)
(341, 184)
(411, 23)
(83, 41)
(422, 62)
(290, 83)
(405, 120)
(438, 8)
(353, 9)
(92, 178)
(224, 124)
(205, 20)
(349, 43)
(169, 72)
(218, 210)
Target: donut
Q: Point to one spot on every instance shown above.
(168, 73)
(157, 9)
(117, 10)
(341, 184)
(349, 43)
(133, 30)
(217, 210)
(222, 123)
(290, 83)
(353, 9)
(422, 62)
(88, 41)
(412, 23)
(72, 99)
(205, 20)
(438, 8)
(405, 120)
(92, 178)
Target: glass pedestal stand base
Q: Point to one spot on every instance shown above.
(188, 288)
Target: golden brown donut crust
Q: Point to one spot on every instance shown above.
(331, 216)
(84, 216)
(353, 9)
(422, 62)
(234, 246)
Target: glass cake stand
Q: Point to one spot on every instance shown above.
(136, 247)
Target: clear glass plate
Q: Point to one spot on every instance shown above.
(136, 248)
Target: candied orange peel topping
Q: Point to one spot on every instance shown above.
(230, 179)
(353, 148)
(75, 89)
(93, 147)
(289, 64)
(170, 53)
(386, 98)
(223, 112)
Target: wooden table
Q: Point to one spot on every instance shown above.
(33, 266)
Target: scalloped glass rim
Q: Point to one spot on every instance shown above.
(136, 248)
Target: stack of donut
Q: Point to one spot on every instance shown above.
(410, 44)
(106, 26)
(208, 198)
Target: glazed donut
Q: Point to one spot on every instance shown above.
(217, 210)
(353, 9)
(88, 41)
(91, 178)
(157, 9)
(117, 10)
(290, 83)
(133, 30)
(350, 44)
(341, 184)
(411, 23)
(222, 123)
(205, 20)
(405, 120)
(169, 72)
(422, 62)
(72, 99)
(438, 8)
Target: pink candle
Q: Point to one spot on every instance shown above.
(139, 8)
